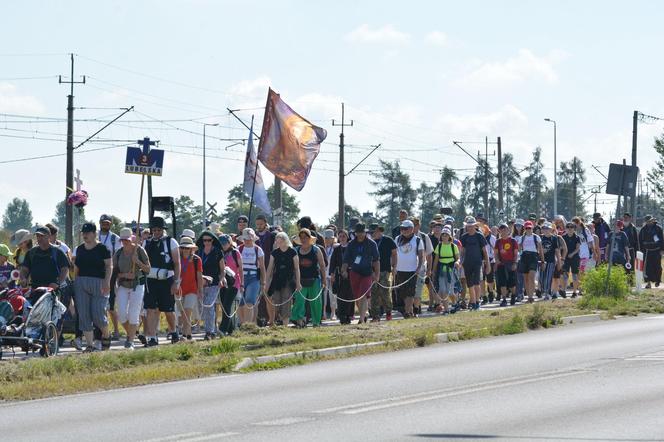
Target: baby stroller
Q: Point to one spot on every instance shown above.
(35, 327)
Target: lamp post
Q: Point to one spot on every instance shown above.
(555, 166)
(204, 196)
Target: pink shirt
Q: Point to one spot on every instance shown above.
(230, 262)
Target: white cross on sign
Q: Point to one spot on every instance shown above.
(77, 180)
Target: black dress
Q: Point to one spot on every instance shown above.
(341, 287)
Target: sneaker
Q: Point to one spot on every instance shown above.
(152, 342)
(90, 349)
(388, 316)
(512, 300)
(375, 319)
(77, 344)
(129, 345)
(97, 345)
(574, 294)
(142, 340)
(503, 303)
(554, 296)
(115, 336)
(563, 294)
(207, 337)
(485, 300)
(491, 297)
(657, 284)
(547, 297)
(175, 338)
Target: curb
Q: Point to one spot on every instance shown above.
(581, 318)
(441, 338)
(331, 351)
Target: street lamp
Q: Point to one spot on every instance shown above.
(204, 196)
(555, 166)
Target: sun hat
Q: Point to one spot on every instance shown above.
(157, 222)
(446, 231)
(248, 234)
(306, 232)
(20, 236)
(470, 221)
(187, 243)
(407, 224)
(188, 233)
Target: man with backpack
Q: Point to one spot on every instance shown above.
(362, 258)
(473, 256)
(506, 255)
(163, 281)
(45, 264)
(112, 242)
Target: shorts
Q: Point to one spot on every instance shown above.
(446, 282)
(572, 264)
(473, 274)
(189, 301)
(406, 290)
(158, 295)
(360, 285)
(505, 277)
(489, 277)
(528, 262)
(252, 288)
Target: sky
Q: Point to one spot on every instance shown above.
(413, 76)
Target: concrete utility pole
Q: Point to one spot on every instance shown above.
(500, 176)
(635, 125)
(574, 184)
(69, 179)
(342, 201)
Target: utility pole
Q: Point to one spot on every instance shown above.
(486, 177)
(635, 125)
(69, 180)
(574, 183)
(146, 143)
(342, 201)
(500, 176)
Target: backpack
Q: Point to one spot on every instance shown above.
(255, 253)
(454, 251)
(230, 275)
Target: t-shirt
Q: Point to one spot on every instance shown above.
(619, 244)
(250, 257)
(385, 247)
(529, 243)
(586, 239)
(189, 269)
(473, 246)
(123, 264)
(45, 265)
(211, 263)
(407, 253)
(110, 240)
(446, 254)
(361, 255)
(284, 270)
(6, 275)
(232, 259)
(571, 242)
(161, 259)
(549, 246)
(508, 250)
(91, 262)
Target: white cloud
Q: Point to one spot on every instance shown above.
(523, 66)
(11, 101)
(503, 120)
(386, 34)
(256, 87)
(436, 38)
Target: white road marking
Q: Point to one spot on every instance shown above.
(284, 421)
(173, 437)
(209, 437)
(380, 404)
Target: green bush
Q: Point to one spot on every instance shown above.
(593, 282)
(514, 326)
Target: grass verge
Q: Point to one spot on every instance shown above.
(38, 378)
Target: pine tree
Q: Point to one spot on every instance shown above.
(656, 174)
(511, 183)
(17, 215)
(533, 187)
(566, 183)
(393, 191)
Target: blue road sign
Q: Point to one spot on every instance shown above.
(140, 163)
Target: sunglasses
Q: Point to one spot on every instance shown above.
(207, 240)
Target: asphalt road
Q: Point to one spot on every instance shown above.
(600, 382)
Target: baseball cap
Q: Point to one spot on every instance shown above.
(446, 230)
(104, 218)
(328, 233)
(360, 228)
(470, 221)
(88, 227)
(126, 233)
(242, 219)
(528, 225)
(503, 226)
(407, 224)
(547, 225)
(42, 230)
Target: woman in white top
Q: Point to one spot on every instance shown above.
(587, 243)
(253, 261)
(530, 246)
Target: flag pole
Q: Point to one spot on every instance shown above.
(253, 187)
